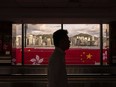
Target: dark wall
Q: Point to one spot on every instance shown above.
(5, 38)
(112, 41)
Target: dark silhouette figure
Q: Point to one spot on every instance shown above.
(57, 75)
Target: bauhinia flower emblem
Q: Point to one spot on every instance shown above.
(36, 60)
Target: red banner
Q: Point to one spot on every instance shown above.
(73, 56)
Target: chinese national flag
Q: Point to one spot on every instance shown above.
(82, 56)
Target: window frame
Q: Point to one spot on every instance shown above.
(101, 43)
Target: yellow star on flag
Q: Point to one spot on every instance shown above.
(89, 56)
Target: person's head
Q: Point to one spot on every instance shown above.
(61, 39)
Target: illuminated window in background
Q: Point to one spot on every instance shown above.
(105, 44)
(85, 44)
(16, 44)
(84, 50)
(39, 43)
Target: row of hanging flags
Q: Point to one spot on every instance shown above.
(40, 56)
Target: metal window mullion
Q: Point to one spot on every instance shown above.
(62, 26)
(22, 44)
(25, 30)
(101, 44)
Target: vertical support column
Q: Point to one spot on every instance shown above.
(62, 23)
(62, 26)
(101, 44)
(112, 43)
(5, 41)
(22, 44)
(26, 27)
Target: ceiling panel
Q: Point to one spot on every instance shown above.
(58, 3)
(33, 10)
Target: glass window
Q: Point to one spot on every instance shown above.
(38, 43)
(17, 44)
(105, 44)
(85, 44)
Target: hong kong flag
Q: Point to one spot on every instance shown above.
(73, 56)
(37, 56)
